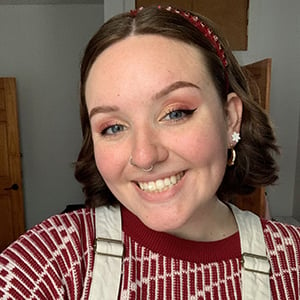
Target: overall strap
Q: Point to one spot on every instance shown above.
(255, 263)
(108, 249)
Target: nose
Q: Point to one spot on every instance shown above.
(147, 148)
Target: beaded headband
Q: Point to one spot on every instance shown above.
(201, 26)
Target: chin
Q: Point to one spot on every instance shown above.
(163, 223)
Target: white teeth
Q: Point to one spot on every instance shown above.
(167, 181)
(151, 186)
(173, 179)
(160, 184)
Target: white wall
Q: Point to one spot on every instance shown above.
(41, 45)
(274, 31)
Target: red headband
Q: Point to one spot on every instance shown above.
(201, 26)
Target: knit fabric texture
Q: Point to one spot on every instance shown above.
(54, 260)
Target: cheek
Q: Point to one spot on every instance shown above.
(205, 146)
(109, 162)
(205, 149)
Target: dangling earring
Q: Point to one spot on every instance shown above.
(232, 158)
(235, 139)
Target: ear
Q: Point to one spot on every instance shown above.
(234, 112)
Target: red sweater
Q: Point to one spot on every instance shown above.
(54, 260)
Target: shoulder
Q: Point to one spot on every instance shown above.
(62, 226)
(281, 238)
(82, 219)
(283, 244)
(56, 251)
(54, 237)
(283, 249)
(280, 233)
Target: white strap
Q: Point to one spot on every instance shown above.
(255, 263)
(108, 254)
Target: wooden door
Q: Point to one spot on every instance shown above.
(259, 74)
(11, 196)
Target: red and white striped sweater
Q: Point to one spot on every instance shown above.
(54, 260)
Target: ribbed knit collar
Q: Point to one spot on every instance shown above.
(171, 246)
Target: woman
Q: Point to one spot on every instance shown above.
(170, 133)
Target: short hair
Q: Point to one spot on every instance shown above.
(255, 164)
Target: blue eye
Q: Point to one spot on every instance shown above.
(176, 114)
(179, 114)
(114, 129)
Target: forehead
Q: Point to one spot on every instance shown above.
(146, 60)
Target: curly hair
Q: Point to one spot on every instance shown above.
(255, 165)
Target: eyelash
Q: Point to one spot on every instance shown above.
(104, 131)
(187, 113)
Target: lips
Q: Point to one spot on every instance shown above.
(160, 184)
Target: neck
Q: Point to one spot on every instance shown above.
(173, 246)
(211, 223)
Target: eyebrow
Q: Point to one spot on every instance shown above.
(164, 92)
(174, 86)
(102, 109)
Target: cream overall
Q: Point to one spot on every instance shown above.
(109, 253)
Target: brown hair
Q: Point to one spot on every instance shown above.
(254, 166)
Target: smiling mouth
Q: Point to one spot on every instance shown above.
(160, 184)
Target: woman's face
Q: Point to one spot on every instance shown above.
(152, 99)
